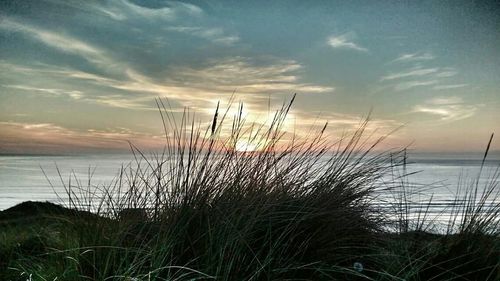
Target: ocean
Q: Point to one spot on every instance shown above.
(25, 178)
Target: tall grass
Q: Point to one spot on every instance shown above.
(465, 247)
(294, 209)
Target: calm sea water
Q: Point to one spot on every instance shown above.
(22, 178)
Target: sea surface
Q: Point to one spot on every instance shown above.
(42, 178)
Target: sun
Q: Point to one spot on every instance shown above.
(245, 146)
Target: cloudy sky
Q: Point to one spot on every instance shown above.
(82, 76)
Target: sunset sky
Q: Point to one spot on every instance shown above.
(82, 76)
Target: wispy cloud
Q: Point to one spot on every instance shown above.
(215, 35)
(406, 85)
(164, 13)
(414, 57)
(410, 73)
(249, 76)
(60, 41)
(22, 137)
(192, 86)
(447, 72)
(447, 108)
(445, 100)
(418, 75)
(344, 42)
(74, 94)
(450, 86)
(123, 10)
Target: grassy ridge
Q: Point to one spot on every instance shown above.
(201, 210)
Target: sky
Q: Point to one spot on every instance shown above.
(83, 76)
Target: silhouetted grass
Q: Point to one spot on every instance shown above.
(295, 209)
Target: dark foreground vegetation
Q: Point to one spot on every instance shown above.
(295, 209)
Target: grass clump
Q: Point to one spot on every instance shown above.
(291, 210)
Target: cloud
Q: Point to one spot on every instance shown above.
(445, 100)
(447, 108)
(192, 86)
(450, 86)
(412, 84)
(74, 94)
(59, 41)
(165, 13)
(343, 42)
(447, 72)
(124, 10)
(248, 76)
(414, 57)
(21, 137)
(215, 35)
(418, 75)
(142, 25)
(195, 86)
(414, 72)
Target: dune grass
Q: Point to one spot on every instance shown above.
(295, 209)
